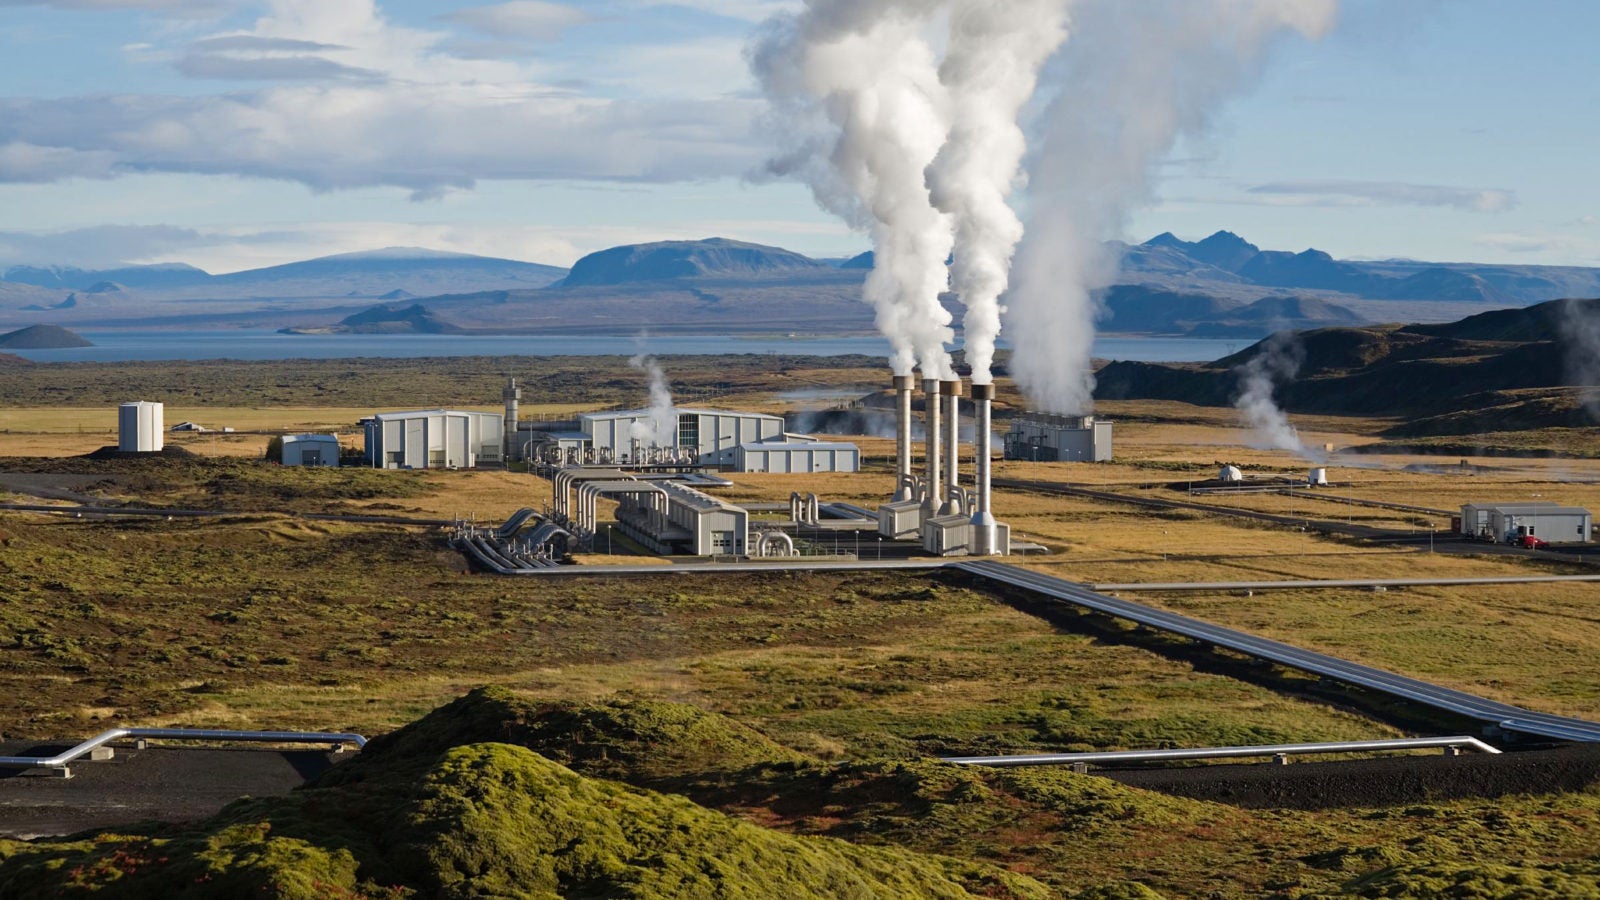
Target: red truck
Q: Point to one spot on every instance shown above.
(1529, 542)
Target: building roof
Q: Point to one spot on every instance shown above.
(681, 410)
(799, 445)
(304, 438)
(1537, 508)
(430, 413)
(694, 499)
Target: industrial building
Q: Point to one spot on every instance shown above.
(140, 426)
(797, 453)
(310, 450)
(665, 516)
(434, 439)
(705, 437)
(1509, 522)
(1042, 437)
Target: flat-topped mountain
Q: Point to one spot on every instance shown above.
(673, 260)
(387, 319)
(43, 337)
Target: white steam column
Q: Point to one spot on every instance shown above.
(950, 394)
(984, 538)
(903, 386)
(930, 394)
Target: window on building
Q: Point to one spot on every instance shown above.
(688, 431)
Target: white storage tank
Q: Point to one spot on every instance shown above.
(1318, 477)
(139, 427)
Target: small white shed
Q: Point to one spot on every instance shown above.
(310, 450)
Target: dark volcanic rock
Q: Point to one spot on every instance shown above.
(43, 337)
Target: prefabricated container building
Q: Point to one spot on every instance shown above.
(310, 450)
(434, 439)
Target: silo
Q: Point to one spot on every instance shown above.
(140, 426)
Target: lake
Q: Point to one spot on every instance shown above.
(245, 344)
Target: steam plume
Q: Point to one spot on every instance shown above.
(856, 99)
(990, 69)
(1279, 359)
(1139, 76)
(1579, 324)
(660, 428)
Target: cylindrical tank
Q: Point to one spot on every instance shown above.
(1230, 475)
(1318, 476)
(139, 427)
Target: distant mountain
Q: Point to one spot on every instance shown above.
(42, 337)
(163, 275)
(675, 260)
(387, 319)
(1503, 370)
(1151, 310)
(862, 261)
(1226, 264)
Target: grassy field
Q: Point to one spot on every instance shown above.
(267, 620)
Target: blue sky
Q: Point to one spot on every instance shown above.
(238, 133)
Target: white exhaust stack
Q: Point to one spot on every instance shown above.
(930, 500)
(950, 393)
(984, 537)
(903, 386)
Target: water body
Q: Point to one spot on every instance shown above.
(246, 344)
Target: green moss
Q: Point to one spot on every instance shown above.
(1567, 881)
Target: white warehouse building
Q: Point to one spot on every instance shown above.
(797, 453)
(1506, 522)
(310, 450)
(139, 427)
(713, 436)
(434, 439)
(1042, 437)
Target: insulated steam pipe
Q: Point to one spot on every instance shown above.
(984, 536)
(950, 394)
(930, 502)
(903, 386)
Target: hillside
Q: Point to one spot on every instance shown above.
(1506, 370)
(387, 319)
(671, 260)
(42, 337)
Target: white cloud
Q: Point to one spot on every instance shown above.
(747, 10)
(358, 101)
(25, 162)
(534, 20)
(1383, 193)
(98, 247)
(178, 8)
(1555, 249)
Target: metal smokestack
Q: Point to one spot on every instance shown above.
(930, 501)
(903, 386)
(984, 537)
(950, 393)
(513, 397)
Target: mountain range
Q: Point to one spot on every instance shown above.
(1222, 286)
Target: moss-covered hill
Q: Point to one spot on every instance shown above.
(441, 809)
(495, 795)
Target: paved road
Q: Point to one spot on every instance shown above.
(162, 784)
(1506, 717)
(1333, 583)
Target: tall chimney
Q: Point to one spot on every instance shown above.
(930, 501)
(950, 393)
(903, 386)
(984, 537)
(513, 397)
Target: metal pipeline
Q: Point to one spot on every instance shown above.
(60, 760)
(984, 536)
(1118, 756)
